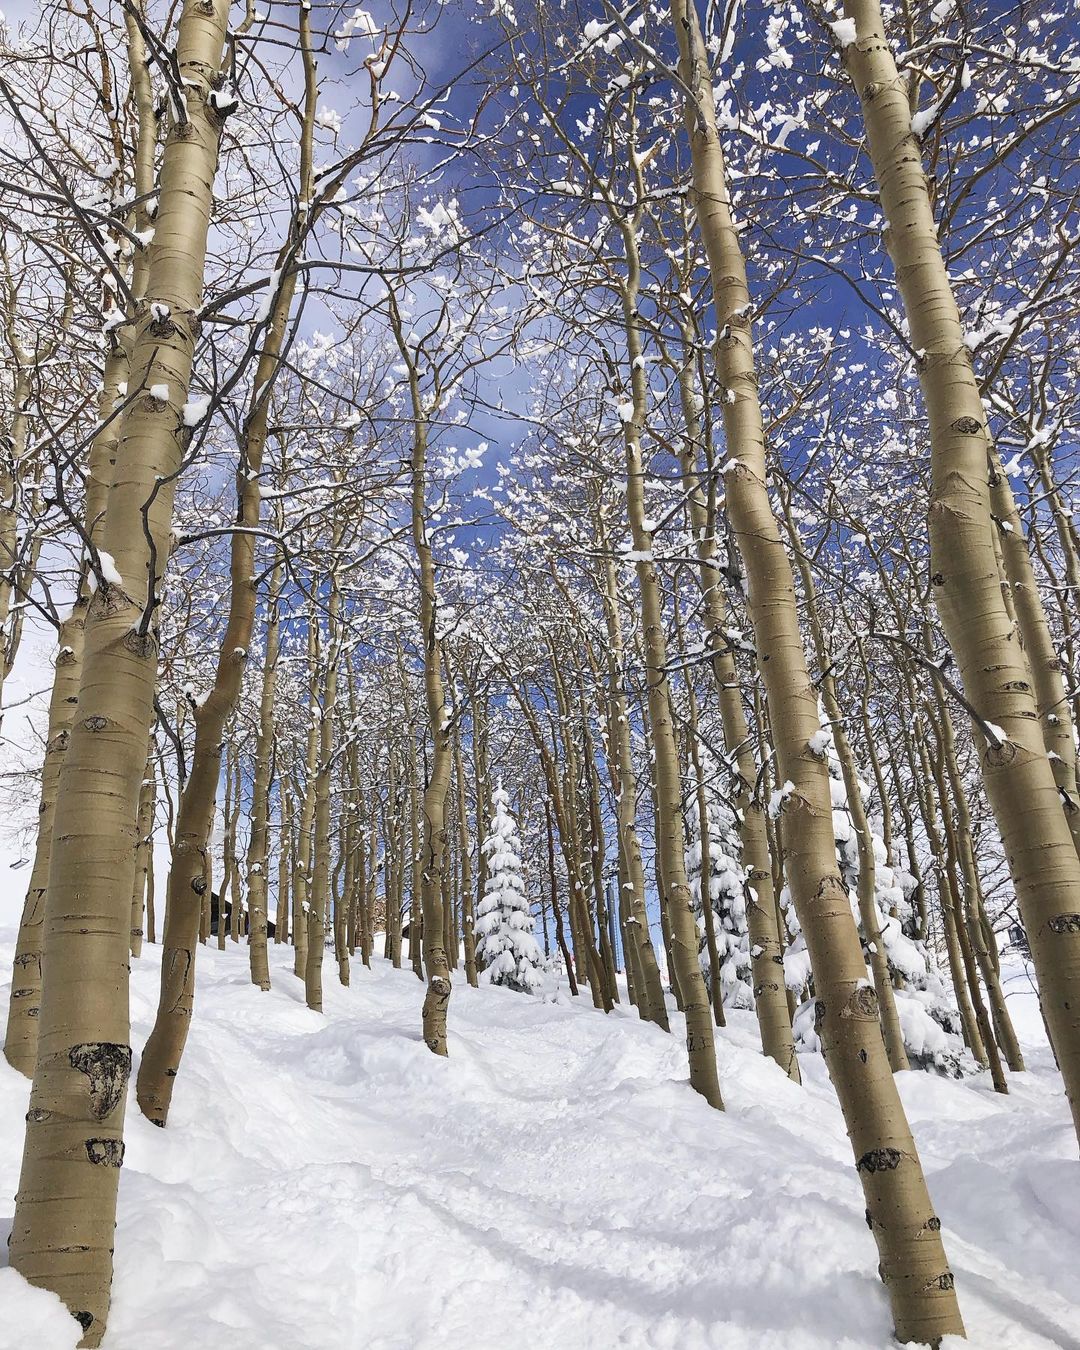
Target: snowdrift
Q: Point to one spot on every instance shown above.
(326, 1184)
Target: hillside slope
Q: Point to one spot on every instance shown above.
(325, 1183)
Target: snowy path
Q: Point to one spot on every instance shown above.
(326, 1184)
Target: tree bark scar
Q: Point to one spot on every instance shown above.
(108, 1067)
(105, 1152)
(879, 1160)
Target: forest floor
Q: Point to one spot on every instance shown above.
(325, 1183)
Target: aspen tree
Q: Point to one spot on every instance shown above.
(144, 857)
(258, 853)
(1004, 1031)
(649, 990)
(666, 781)
(188, 881)
(319, 895)
(556, 910)
(1048, 684)
(770, 998)
(701, 809)
(20, 1040)
(301, 883)
(468, 935)
(430, 862)
(997, 680)
(913, 1264)
(879, 964)
(924, 778)
(286, 811)
(62, 1236)
(20, 1044)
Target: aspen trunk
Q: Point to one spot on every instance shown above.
(879, 964)
(225, 886)
(647, 984)
(20, 1043)
(596, 855)
(670, 841)
(468, 934)
(302, 867)
(923, 776)
(143, 857)
(429, 861)
(997, 682)
(1004, 1032)
(1055, 716)
(62, 1237)
(913, 1264)
(963, 938)
(320, 878)
(258, 854)
(671, 830)
(708, 914)
(285, 859)
(560, 932)
(766, 951)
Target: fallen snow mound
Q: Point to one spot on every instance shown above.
(325, 1183)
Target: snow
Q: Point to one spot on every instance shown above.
(320, 1175)
(159, 393)
(998, 734)
(844, 31)
(195, 409)
(109, 572)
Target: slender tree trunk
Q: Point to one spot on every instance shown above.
(647, 985)
(1004, 1032)
(913, 1264)
(319, 896)
(302, 866)
(924, 778)
(1055, 716)
(188, 881)
(766, 950)
(20, 1043)
(1017, 772)
(875, 947)
(144, 846)
(700, 1048)
(285, 859)
(560, 932)
(63, 1232)
(258, 854)
(468, 934)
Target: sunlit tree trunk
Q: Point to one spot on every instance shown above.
(997, 681)
(766, 955)
(63, 1232)
(319, 894)
(668, 788)
(875, 946)
(913, 1264)
(647, 985)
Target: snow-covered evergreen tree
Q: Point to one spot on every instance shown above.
(928, 1017)
(506, 949)
(726, 889)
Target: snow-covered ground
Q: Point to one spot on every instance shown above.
(326, 1184)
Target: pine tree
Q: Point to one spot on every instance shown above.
(727, 891)
(505, 945)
